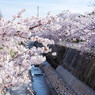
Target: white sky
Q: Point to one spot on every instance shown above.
(11, 7)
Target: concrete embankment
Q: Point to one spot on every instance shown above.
(76, 85)
(81, 66)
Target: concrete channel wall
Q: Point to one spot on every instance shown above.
(82, 66)
(76, 85)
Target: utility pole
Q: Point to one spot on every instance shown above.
(0, 15)
(37, 11)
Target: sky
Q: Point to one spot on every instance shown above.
(11, 7)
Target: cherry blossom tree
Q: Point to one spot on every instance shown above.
(16, 60)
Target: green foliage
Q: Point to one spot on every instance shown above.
(1, 48)
(74, 41)
(12, 53)
(77, 41)
(82, 15)
(19, 43)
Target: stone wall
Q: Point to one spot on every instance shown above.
(80, 65)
